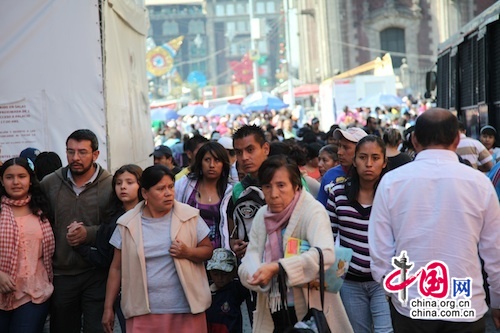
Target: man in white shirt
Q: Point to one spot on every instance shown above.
(431, 221)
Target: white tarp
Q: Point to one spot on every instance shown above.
(50, 75)
(51, 78)
(130, 139)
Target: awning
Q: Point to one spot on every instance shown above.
(305, 90)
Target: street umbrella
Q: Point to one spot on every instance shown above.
(388, 100)
(193, 110)
(262, 101)
(163, 114)
(226, 109)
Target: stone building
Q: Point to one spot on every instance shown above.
(337, 35)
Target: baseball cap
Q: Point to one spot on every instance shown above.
(222, 260)
(490, 130)
(30, 153)
(353, 134)
(226, 142)
(315, 120)
(161, 151)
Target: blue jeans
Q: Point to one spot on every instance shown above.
(366, 307)
(28, 318)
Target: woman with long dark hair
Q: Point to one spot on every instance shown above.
(126, 194)
(349, 206)
(26, 249)
(207, 188)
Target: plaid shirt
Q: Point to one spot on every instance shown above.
(9, 242)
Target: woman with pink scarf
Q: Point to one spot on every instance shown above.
(291, 216)
(26, 249)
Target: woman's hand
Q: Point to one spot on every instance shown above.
(7, 285)
(108, 320)
(179, 250)
(264, 274)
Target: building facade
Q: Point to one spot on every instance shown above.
(218, 33)
(338, 35)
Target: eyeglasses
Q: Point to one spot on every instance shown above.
(81, 153)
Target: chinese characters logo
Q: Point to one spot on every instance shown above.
(433, 280)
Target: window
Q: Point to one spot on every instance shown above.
(260, 8)
(219, 10)
(238, 47)
(270, 7)
(196, 27)
(196, 51)
(241, 8)
(230, 9)
(393, 40)
(230, 26)
(241, 26)
(198, 66)
(170, 28)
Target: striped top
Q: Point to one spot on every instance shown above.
(473, 151)
(350, 221)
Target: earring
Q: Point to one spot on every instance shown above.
(146, 202)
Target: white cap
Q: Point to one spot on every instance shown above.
(226, 142)
(353, 134)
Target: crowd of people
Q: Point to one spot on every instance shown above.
(219, 217)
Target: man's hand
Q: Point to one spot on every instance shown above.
(77, 234)
(495, 314)
(239, 247)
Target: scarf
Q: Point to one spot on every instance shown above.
(9, 238)
(275, 222)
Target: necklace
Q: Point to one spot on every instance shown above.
(209, 197)
(199, 195)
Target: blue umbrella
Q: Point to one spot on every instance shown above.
(163, 114)
(193, 110)
(226, 109)
(262, 101)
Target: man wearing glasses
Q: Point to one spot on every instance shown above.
(78, 195)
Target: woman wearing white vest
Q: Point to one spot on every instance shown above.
(161, 245)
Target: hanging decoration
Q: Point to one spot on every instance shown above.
(160, 60)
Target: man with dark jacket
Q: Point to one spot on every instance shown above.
(78, 196)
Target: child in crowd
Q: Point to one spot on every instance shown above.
(224, 315)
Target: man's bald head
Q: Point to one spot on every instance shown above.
(436, 127)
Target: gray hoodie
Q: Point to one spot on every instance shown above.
(89, 207)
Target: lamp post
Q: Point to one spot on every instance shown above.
(286, 11)
(255, 68)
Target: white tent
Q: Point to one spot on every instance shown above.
(63, 69)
